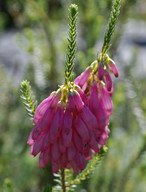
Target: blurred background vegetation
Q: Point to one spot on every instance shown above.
(33, 42)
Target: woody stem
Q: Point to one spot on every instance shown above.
(63, 180)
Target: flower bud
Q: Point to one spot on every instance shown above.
(113, 68)
(101, 71)
(108, 81)
(82, 79)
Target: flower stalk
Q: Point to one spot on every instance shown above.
(63, 180)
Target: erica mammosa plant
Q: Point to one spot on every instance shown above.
(71, 124)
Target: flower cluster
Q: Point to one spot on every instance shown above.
(72, 123)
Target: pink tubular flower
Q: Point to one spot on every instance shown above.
(89, 119)
(98, 89)
(106, 102)
(113, 68)
(93, 99)
(63, 126)
(82, 79)
(101, 71)
(43, 107)
(108, 81)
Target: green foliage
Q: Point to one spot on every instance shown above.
(72, 34)
(111, 25)
(28, 98)
(48, 188)
(7, 186)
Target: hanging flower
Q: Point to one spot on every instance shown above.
(97, 85)
(66, 131)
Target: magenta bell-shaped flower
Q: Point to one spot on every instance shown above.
(66, 130)
(113, 68)
(101, 71)
(98, 89)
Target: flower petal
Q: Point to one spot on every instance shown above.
(81, 128)
(46, 156)
(41, 160)
(101, 116)
(101, 71)
(41, 109)
(93, 100)
(87, 152)
(88, 118)
(67, 121)
(74, 167)
(108, 81)
(82, 79)
(36, 147)
(80, 160)
(77, 141)
(71, 152)
(78, 101)
(30, 140)
(83, 97)
(55, 152)
(93, 143)
(55, 167)
(106, 101)
(56, 124)
(71, 101)
(113, 68)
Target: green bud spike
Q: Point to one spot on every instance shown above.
(28, 98)
(111, 25)
(72, 34)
